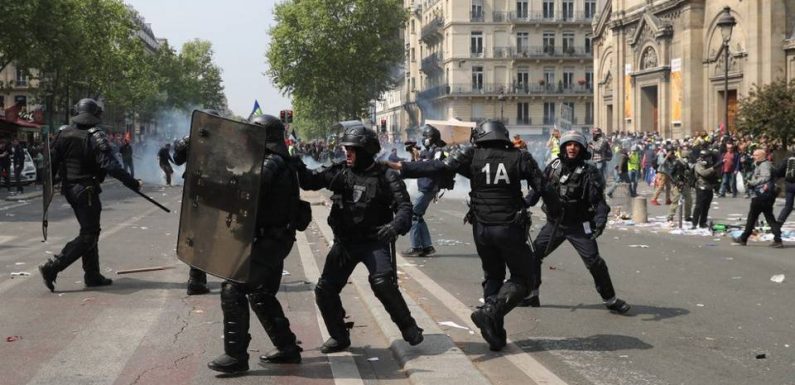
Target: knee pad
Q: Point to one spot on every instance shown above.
(383, 282)
(262, 300)
(233, 297)
(325, 289)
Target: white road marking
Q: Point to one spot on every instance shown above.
(343, 366)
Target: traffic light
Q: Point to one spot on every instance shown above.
(289, 116)
(383, 125)
(283, 115)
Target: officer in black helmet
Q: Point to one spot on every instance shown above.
(272, 243)
(419, 236)
(82, 156)
(499, 218)
(581, 219)
(371, 207)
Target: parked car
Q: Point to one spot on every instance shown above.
(28, 175)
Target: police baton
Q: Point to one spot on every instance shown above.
(154, 202)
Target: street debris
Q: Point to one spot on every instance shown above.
(13, 338)
(761, 356)
(700, 304)
(453, 325)
(371, 359)
(778, 278)
(640, 246)
(448, 242)
(19, 263)
(144, 269)
(285, 272)
(20, 274)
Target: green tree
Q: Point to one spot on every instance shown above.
(203, 77)
(334, 56)
(769, 110)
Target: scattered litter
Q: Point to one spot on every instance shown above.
(48, 252)
(407, 265)
(87, 300)
(761, 356)
(778, 278)
(624, 356)
(552, 267)
(737, 277)
(448, 242)
(786, 345)
(709, 339)
(198, 311)
(616, 238)
(481, 300)
(20, 274)
(716, 239)
(19, 263)
(471, 332)
(641, 246)
(371, 359)
(700, 304)
(285, 272)
(144, 228)
(453, 325)
(13, 338)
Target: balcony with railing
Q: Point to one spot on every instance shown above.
(550, 51)
(496, 89)
(432, 31)
(500, 16)
(477, 16)
(549, 120)
(542, 17)
(432, 63)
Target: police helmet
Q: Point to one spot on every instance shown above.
(274, 133)
(490, 131)
(431, 135)
(357, 135)
(87, 112)
(577, 137)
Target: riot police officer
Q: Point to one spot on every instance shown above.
(371, 207)
(706, 174)
(82, 156)
(498, 215)
(197, 279)
(581, 219)
(274, 239)
(419, 236)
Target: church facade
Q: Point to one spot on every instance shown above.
(660, 64)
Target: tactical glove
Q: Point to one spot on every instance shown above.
(387, 233)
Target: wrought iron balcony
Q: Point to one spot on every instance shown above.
(479, 16)
(432, 31)
(550, 51)
(542, 17)
(432, 63)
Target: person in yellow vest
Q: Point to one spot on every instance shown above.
(553, 144)
(633, 166)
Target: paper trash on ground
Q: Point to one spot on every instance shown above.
(453, 325)
(778, 278)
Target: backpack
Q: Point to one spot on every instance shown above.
(789, 174)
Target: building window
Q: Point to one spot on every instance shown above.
(549, 113)
(549, 77)
(477, 10)
(589, 113)
(587, 44)
(413, 84)
(549, 9)
(413, 56)
(521, 9)
(2, 102)
(412, 26)
(22, 78)
(590, 9)
(568, 42)
(477, 78)
(21, 100)
(522, 80)
(589, 79)
(568, 78)
(476, 44)
(522, 42)
(523, 113)
(568, 10)
(549, 42)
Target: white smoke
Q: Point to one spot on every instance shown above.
(172, 125)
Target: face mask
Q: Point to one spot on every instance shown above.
(426, 142)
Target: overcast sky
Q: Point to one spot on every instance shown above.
(238, 30)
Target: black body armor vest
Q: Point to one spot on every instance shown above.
(496, 194)
(362, 202)
(572, 188)
(79, 163)
(277, 204)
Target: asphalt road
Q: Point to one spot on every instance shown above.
(704, 311)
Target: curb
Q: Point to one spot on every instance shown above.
(437, 360)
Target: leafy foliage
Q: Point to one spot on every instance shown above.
(769, 110)
(334, 56)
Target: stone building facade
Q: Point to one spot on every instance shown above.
(660, 64)
(527, 62)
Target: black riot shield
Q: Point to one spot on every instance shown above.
(48, 190)
(220, 196)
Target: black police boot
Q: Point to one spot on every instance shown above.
(271, 316)
(92, 277)
(490, 323)
(328, 301)
(49, 272)
(530, 301)
(386, 289)
(236, 337)
(197, 282)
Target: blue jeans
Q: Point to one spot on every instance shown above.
(419, 235)
(633, 183)
(727, 184)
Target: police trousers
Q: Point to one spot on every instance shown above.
(501, 246)
(552, 236)
(87, 208)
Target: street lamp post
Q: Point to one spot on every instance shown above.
(726, 24)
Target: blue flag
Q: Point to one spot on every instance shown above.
(256, 111)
